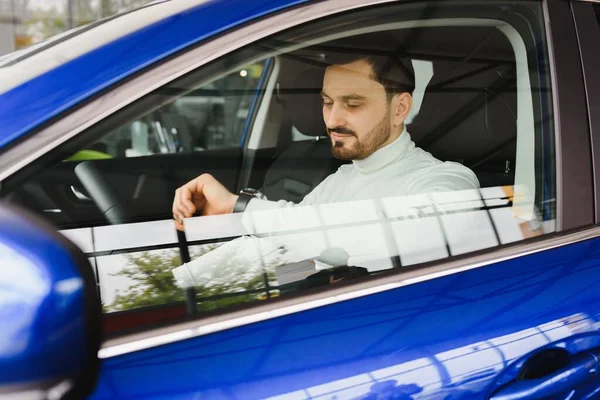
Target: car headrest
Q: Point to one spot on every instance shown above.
(304, 104)
(471, 122)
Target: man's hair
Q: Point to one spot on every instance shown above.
(395, 73)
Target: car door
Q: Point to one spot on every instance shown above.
(487, 293)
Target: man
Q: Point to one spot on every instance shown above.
(365, 103)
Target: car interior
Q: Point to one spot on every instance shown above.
(467, 114)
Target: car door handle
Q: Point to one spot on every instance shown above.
(581, 370)
(79, 194)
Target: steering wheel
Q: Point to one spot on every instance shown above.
(101, 192)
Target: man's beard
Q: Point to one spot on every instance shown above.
(361, 149)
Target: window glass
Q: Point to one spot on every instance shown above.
(208, 117)
(381, 138)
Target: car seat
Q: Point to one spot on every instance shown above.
(301, 164)
(469, 115)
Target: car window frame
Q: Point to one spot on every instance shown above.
(575, 202)
(574, 175)
(588, 36)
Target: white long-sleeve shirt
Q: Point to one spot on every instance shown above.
(400, 201)
(398, 169)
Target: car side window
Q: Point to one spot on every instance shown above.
(382, 138)
(209, 117)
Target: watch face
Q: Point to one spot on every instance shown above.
(254, 193)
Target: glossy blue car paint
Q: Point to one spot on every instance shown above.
(27, 106)
(41, 297)
(464, 336)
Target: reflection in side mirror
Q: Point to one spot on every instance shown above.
(50, 311)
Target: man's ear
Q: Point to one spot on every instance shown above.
(401, 106)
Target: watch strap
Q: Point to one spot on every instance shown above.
(242, 202)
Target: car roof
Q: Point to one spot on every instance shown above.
(23, 65)
(39, 84)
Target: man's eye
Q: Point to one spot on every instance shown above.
(327, 103)
(354, 105)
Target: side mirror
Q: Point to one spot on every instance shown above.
(50, 313)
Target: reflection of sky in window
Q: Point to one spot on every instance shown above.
(231, 264)
(369, 231)
(418, 228)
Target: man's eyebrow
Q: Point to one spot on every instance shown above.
(347, 97)
(353, 97)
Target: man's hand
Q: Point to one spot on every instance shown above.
(204, 193)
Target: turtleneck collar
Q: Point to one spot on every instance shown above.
(385, 155)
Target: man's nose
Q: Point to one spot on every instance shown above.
(334, 116)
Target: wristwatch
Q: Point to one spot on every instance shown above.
(244, 198)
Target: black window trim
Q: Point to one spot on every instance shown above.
(573, 170)
(588, 35)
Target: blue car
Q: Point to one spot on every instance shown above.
(483, 292)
